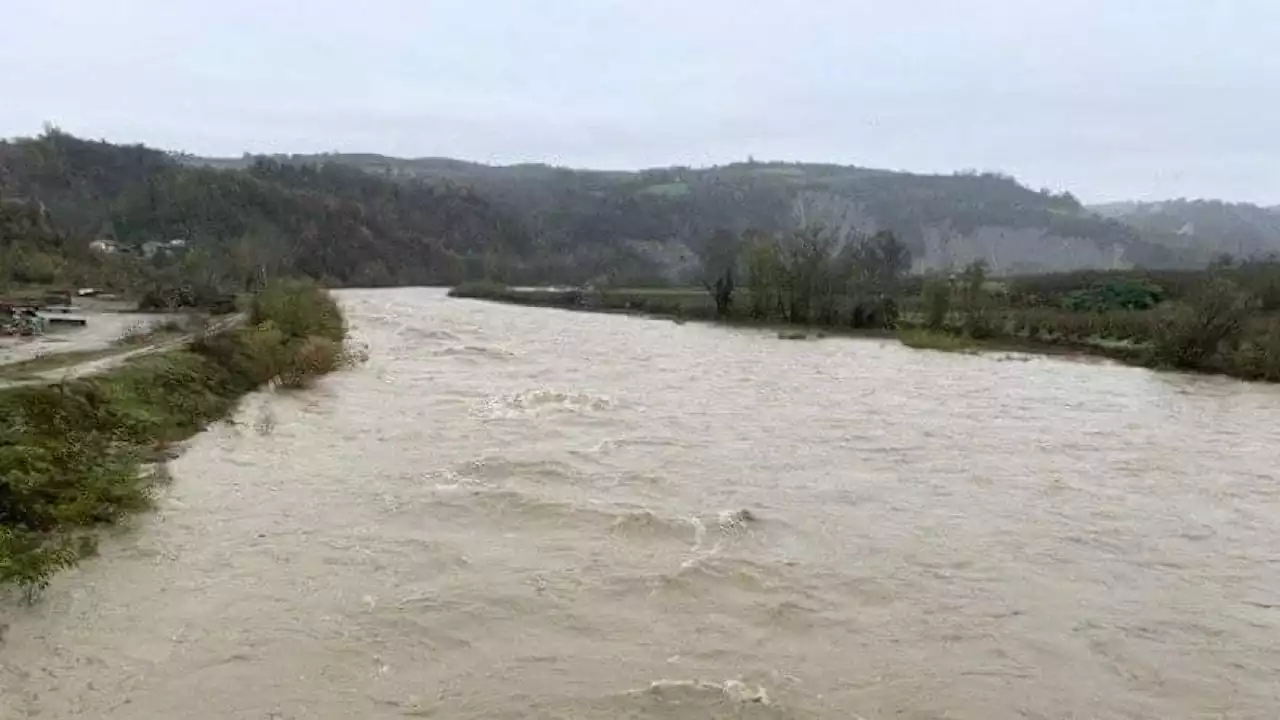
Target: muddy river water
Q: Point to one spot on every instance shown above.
(513, 512)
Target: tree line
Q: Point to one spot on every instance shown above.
(813, 275)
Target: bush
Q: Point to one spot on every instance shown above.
(299, 309)
(1258, 358)
(935, 298)
(1262, 279)
(934, 340)
(308, 359)
(975, 301)
(478, 289)
(1195, 334)
(29, 560)
(1117, 295)
(164, 298)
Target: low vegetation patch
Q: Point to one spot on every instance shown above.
(925, 339)
(142, 333)
(33, 368)
(73, 455)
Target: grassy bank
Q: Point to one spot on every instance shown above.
(74, 456)
(684, 303)
(922, 339)
(1225, 321)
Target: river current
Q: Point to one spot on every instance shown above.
(524, 513)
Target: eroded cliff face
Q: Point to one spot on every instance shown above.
(943, 245)
(1014, 250)
(839, 213)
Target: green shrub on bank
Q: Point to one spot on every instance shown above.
(1215, 316)
(478, 289)
(1258, 357)
(308, 359)
(28, 559)
(1123, 294)
(71, 454)
(299, 309)
(925, 339)
(935, 301)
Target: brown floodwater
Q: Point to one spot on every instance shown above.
(513, 512)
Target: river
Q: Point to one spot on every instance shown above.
(515, 512)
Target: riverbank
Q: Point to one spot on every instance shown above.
(1193, 336)
(81, 454)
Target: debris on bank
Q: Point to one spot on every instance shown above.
(20, 320)
(27, 317)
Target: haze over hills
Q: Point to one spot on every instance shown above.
(660, 215)
(1195, 226)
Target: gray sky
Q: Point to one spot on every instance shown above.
(1109, 99)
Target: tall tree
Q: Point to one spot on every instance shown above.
(719, 260)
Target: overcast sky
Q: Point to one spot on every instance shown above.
(1107, 98)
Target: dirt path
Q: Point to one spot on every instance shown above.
(97, 365)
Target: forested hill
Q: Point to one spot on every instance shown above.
(331, 221)
(663, 215)
(373, 220)
(1208, 227)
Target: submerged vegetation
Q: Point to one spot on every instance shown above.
(74, 456)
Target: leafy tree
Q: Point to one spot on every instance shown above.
(1214, 316)
(719, 260)
(764, 274)
(876, 266)
(974, 305)
(935, 298)
(807, 273)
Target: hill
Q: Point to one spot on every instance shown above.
(1202, 228)
(661, 216)
(366, 219)
(236, 224)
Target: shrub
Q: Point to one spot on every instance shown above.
(1259, 357)
(299, 308)
(935, 299)
(479, 289)
(934, 340)
(309, 358)
(1196, 332)
(1261, 278)
(1116, 295)
(975, 302)
(29, 560)
(264, 350)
